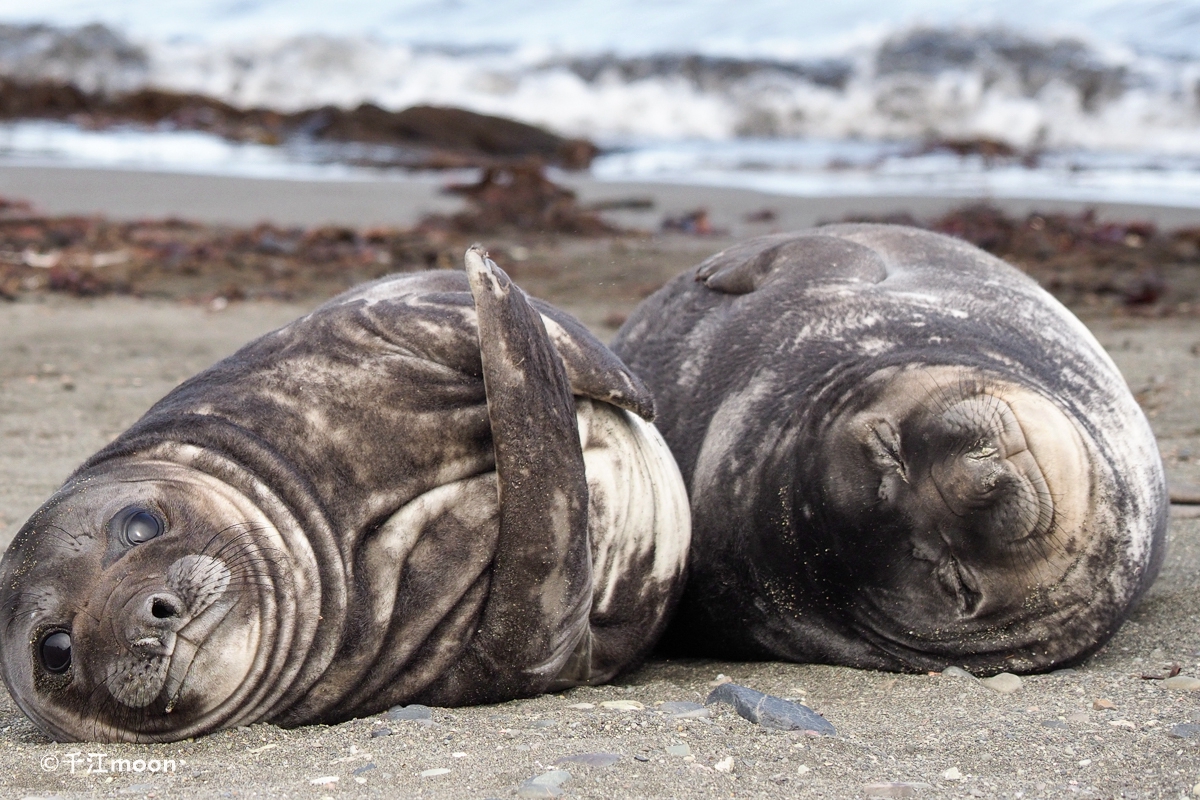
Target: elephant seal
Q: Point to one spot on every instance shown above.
(430, 489)
(901, 454)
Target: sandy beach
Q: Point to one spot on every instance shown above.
(75, 372)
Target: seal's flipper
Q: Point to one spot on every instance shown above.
(811, 258)
(593, 369)
(541, 588)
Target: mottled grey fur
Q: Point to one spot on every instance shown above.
(423, 491)
(901, 453)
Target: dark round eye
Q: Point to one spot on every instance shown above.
(56, 651)
(141, 526)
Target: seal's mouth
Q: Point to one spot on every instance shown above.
(163, 628)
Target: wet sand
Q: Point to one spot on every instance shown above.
(73, 373)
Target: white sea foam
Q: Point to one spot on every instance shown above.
(761, 93)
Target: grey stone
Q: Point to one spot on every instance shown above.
(678, 750)
(682, 709)
(414, 711)
(365, 768)
(1181, 683)
(956, 672)
(375, 734)
(1185, 730)
(641, 758)
(1004, 683)
(555, 777)
(770, 711)
(895, 789)
(591, 759)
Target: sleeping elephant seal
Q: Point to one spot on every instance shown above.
(901, 454)
(423, 491)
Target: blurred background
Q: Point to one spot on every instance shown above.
(1096, 100)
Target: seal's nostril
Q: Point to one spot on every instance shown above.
(163, 608)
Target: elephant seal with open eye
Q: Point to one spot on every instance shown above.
(901, 454)
(422, 491)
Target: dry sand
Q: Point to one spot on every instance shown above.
(74, 373)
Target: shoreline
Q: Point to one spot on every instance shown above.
(121, 194)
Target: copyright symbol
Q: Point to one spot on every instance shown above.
(49, 763)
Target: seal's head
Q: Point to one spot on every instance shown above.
(136, 603)
(956, 503)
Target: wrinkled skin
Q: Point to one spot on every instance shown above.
(428, 490)
(900, 453)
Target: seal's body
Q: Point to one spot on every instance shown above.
(422, 491)
(901, 453)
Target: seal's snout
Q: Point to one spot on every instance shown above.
(151, 615)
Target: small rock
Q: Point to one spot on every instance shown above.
(769, 711)
(684, 710)
(949, 672)
(1004, 683)
(1182, 683)
(721, 678)
(952, 774)
(724, 765)
(1053, 723)
(803, 769)
(1123, 723)
(1102, 704)
(641, 758)
(365, 768)
(378, 732)
(678, 750)
(895, 789)
(623, 705)
(555, 777)
(548, 784)
(433, 773)
(591, 759)
(1185, 730)
(408, 712)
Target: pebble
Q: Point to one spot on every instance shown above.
(684, 710)
(622, 705)
(414, 711)
(641, 758)
(952, 774)
(952, 672)
(365, 768)
(1183, 683)
(1185, 730)
(1004, 683)
(1102, 704)
(1123, 723)
(678, 750)
(770, 711)
(591, 759)
(548, 784)
(724, 765)
(375, 734)
(895, 789)
(433, 773)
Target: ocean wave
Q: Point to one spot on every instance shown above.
(1032, 92)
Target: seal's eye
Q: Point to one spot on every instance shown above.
(55, 651)
(141, 526)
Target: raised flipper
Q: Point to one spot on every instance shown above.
(541, 587)
(814, 257)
